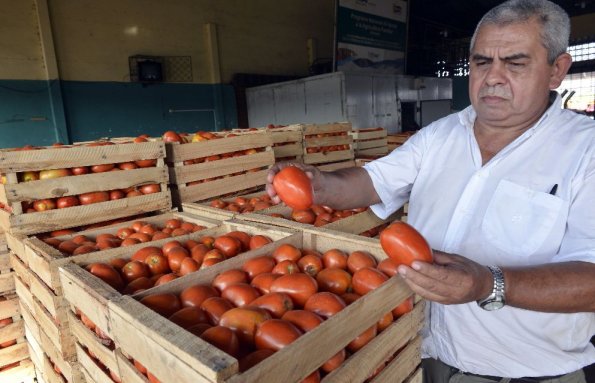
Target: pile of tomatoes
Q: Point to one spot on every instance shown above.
(243, 204)
(137, 232)
(152, 265)
(252, 312)
(85, 198)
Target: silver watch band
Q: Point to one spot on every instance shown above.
(496, 299)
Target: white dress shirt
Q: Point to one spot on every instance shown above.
(501, 213)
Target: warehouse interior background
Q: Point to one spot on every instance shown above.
(70, 68)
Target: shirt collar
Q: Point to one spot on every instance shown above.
(468, 115)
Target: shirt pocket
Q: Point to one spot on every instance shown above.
(518, 219)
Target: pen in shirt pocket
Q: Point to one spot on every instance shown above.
(554, 189)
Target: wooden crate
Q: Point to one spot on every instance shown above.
(18, 352)
(13, 192)
(51, 332)
(175, 356)
(396, 140)
(355, 224)
(51, 367)
(370, 142)
(237, 173)
(6, 273)
(91, 295)
(43, 260)
(324, 136)
(287, 142)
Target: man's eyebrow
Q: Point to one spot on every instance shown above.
(516, 56)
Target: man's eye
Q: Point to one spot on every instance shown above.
(517, 65)
(480, 63)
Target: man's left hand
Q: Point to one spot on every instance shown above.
(451, 279)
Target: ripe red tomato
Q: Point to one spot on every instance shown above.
(336, 281)
(274, 334)
(367, 279)
(189, 316)
(258, 241)
(93, 197)
(108, 274)
(244, 321)
(64, 202)
(135, 269)
(294, 188)
(229, 277)
(335, 258)
(404, 307)
(298, 286)
(303, 319)
(275, 303)
(258, 265)
(388, 267)
(171, 136)
(403, 244)
(229, 246)
(362, 339)
(158, 264)
(240, 294)
(215, 307)
(287, 252)
(149, 188)
(141, 283)
(142, 254)
(325, 304)
(243, 237)
(303, 216)
(188, 266)
(360, 259)
(164, 304)
(195, 295)
(310, 264)
(334, 362)
(263, 282)
(223, 338)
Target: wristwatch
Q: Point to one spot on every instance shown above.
(495, 300)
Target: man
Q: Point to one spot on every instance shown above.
(507, 183)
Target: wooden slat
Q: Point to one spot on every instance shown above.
(90, 370)
(53, 158)
(13, 331)
(222, 186)
(23, 373)
(97, 346)
(9, 308)
(6, 283)
(187, 173)
(182, 152)
(320, 158)
(403, 365)
(41, 222)
(74, 185)
(327, 141)
(129, 373)
(13, 354)
(336, 165)
(360, 134)
(294, 149)
(326, 128)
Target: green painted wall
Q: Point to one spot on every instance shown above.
(111, 109)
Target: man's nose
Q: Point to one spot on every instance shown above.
(496, 74)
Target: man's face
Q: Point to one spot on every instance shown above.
(510, 77)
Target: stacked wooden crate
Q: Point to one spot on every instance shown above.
(287, 142)
(371, 142)
(396, 140)
(36, 201)
(141, 337)
(216, 166)
(51, 335)
(15, 362)
(328, 146)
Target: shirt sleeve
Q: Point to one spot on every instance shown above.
(393, 175)
(578, 243)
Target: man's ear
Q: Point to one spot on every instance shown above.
(559, 69)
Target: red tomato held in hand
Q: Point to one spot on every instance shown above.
(294, 188)
(403, 244)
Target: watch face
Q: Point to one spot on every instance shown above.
(493, 305)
